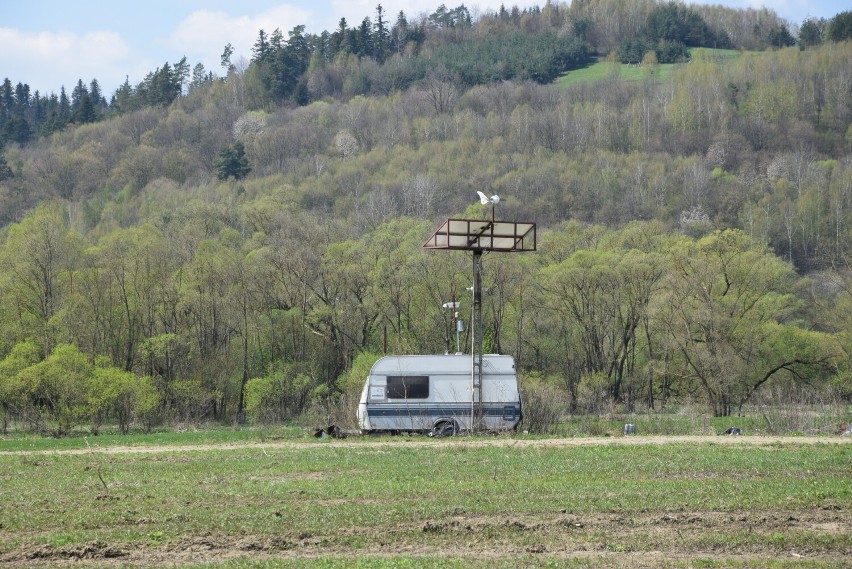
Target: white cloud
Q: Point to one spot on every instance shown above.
(204, 33)
(47, 60)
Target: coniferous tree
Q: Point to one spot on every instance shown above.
(276, 40)
(22, 98)
(779, 36)
(95, 93)
(380, 36)
(364, 38)
(226, 58)
(675, 22)
(261, 50)
(400, 33)
(86, 112)
(82, 106)
(199, 76)
(122, 100)
(232, 162)
(162, 86)
(810, 33)
(840, 27)
(339, 41)
(181, 74)
(322, 46)
(64, 114)
(39, 111)
(5, 171)
(7, 106)
(298, 45)
(7, 97)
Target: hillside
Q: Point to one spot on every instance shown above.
(247, 247)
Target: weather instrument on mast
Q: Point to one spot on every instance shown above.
(477, 236)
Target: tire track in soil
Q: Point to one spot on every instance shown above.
(463, 441)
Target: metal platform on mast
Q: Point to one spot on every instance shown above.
(478, 236)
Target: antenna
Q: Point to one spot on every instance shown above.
(458, 324)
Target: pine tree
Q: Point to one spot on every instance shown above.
(364, 38)
(5, 171)
(122, 100)
(64, 111)
(276, 40)
(261, 50)
(297, 44)
(232, 162)
(400, 32)
(86, 111)
(380, 36)
(199, 76)
(341, 41)
(226, 58)
(79, 98)
(181, 74)
(840, 26)
(810, 34)
(7, 99)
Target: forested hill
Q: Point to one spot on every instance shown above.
(263, 228)
(532, 43)
(710, 137)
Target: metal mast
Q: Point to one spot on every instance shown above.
(478, 235)
(476, 343)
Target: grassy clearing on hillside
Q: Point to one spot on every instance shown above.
(417, 502)
(602, 68)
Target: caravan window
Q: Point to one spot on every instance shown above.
(408, 386)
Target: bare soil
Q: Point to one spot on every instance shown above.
(358, 442)
(595, 537)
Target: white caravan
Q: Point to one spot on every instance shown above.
(435, 394)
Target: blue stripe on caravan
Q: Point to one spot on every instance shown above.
(509, 412)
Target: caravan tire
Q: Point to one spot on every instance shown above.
(444, 428)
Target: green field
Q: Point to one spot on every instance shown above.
(417, 502)
(602, 69)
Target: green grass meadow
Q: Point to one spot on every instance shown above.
(292, 501)
(601, 69)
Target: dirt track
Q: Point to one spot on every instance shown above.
(456, 441)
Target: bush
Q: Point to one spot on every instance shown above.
(544, 404)
(671, 52)
(632, 50)
(56, 388)
(281, 394)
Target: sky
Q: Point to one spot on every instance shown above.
(49, 44)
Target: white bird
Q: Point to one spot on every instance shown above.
(495, 199)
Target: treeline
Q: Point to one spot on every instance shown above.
(26, 117)
(670, 29)
(255, 308)
(386, 54)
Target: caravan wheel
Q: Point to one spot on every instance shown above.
(444, 428)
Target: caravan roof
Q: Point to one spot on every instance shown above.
(442, 364)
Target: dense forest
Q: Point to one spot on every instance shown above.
(204, 247)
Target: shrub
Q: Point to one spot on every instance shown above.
(544, 404)
(281, 394)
